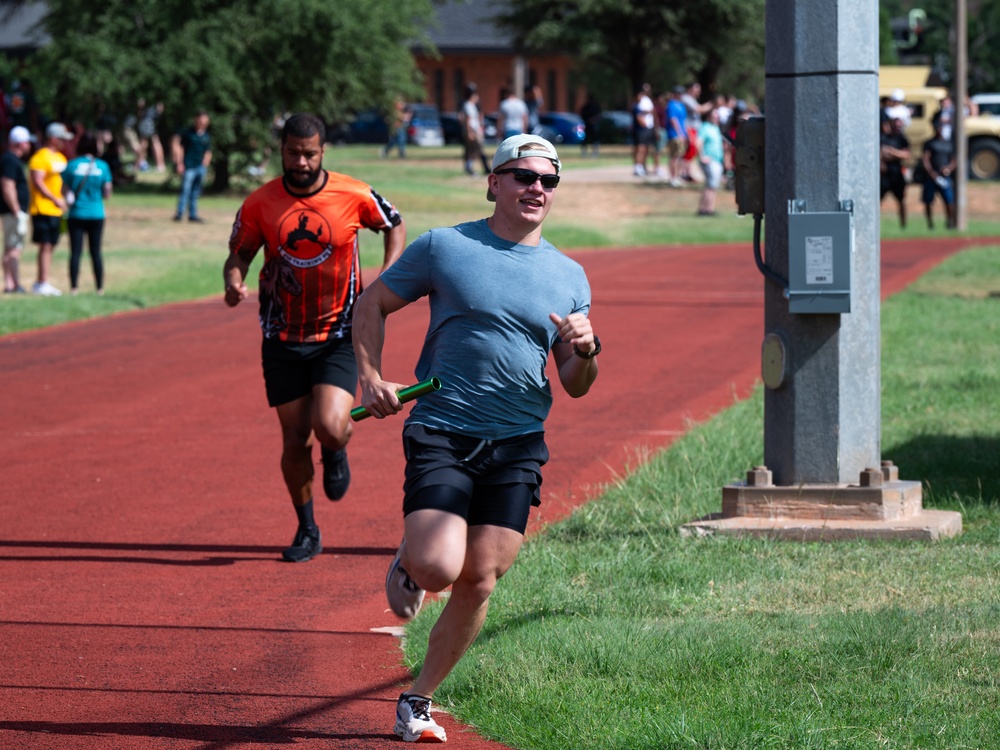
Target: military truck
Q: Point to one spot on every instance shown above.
(982, 132)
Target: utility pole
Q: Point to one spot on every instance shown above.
(961, 142)
(821, 354)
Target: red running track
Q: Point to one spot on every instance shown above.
(142, 603)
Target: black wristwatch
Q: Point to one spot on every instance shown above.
(585, 355)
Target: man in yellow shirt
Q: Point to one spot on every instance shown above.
(47, 202)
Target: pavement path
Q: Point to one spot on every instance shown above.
(142, 513)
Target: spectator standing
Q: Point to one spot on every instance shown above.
(660, 147)
(712, 157)
(471, 121)
(88, 179)
(47, 203)
(308, 221)
(149, 137)
(695, 110)
(535, 102)
(945, 116)
(192, 153)
(399, 126)
(677, 134)
(643, 129)
(513, 116)
(474, 451)
(591, 113)
(14, 203)
(939, 168)
(897, 109)
(894, 149)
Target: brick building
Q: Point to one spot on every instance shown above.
(472, 48)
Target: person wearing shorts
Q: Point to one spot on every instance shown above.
(502, 298)
(939, 171)
(711, 153)
(308, 221)
(46, 168)
(14, 203)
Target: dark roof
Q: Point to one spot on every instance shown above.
(468, 26)
(17, 26)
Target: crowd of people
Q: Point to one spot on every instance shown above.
(678, 137)
(55, 179)
(934, 169)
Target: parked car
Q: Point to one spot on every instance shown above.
(425, 126)
(615, 126)
(989, 104)
(366, 127)
(490, 128)
(566, 126)
(452, 127)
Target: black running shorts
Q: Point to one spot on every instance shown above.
(46, 230)
(291, 369)
(487, 482)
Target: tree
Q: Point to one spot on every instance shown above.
(704, 40)
(937, 38)
(244, 61)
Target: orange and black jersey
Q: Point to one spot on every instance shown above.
(311, 276)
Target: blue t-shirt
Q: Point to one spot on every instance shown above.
(86, 177)
(676, 111)
(489, 335)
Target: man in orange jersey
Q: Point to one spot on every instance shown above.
(308, 222)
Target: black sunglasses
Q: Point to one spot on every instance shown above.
(527, 177)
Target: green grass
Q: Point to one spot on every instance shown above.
(614, 631)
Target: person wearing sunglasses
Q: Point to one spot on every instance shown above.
(502, 298)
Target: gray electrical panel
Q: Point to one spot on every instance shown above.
(820, 250)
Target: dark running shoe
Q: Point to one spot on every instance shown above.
(414, 722)
(305, 546)
(336, 472)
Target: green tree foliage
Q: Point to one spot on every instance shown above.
(720, 43)
(243, 61)
(937, 38)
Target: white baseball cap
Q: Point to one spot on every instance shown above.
(521, 147)
(20, 134)
(898, 95)
(58, 130)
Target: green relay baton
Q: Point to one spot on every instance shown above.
(407, 394)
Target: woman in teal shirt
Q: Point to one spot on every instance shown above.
(86, 185)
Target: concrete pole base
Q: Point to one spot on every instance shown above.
(880, 506)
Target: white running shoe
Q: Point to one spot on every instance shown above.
(414, 722)
(45, 289)
(639, 170)
(405, 597)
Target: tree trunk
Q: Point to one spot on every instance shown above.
(220, 165)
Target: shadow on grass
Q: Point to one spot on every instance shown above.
(951, 467)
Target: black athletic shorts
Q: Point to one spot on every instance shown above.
(46, 230)
(487, 482)
(291, 369)
(892, 182)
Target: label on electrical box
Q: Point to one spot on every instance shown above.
(819, 260)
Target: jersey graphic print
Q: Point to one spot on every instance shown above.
(308, 243)
(276, 277)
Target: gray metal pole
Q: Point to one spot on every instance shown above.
(822, 423)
